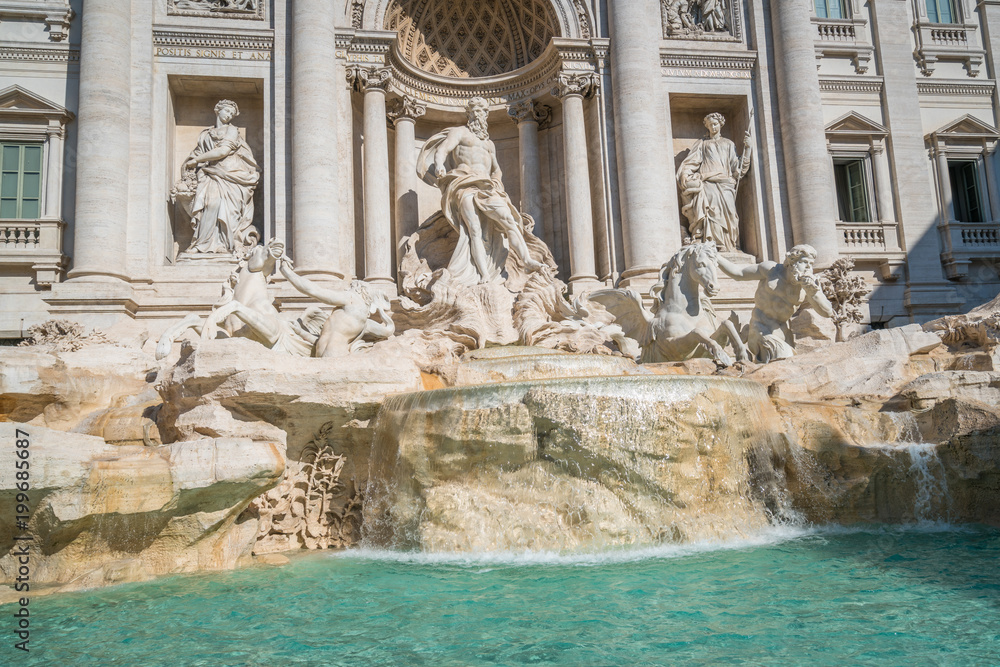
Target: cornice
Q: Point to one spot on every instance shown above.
(957, 88)
(39, 53)
(851, 84)
(200, 39)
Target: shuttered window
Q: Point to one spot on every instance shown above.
(831, 9)
(940, 11)
(20, 181)
(965, 191)
(852, 191)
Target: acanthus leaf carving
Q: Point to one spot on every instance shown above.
(570, 83)
(363, 79)
(406, 107)
(529, 110)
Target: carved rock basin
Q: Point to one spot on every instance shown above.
(574, 463)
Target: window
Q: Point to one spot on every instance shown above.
(852, 190)
(939, 11)
(965, 190)
(831, 9)
(21, 181)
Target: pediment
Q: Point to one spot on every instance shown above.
(968, 127)
(854, 123)
(15, 99)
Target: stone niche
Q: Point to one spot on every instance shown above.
(192, 103)
(687, 115)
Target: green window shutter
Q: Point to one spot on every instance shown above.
(858, 192)
(852, 191)
(21, 181)
(941, 11)
(830, 9)
(970, 192)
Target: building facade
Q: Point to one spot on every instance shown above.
(865, 128)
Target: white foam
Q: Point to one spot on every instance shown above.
(769, 537)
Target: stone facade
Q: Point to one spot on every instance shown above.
(872, 129)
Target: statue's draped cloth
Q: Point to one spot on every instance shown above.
(229, 185)
(489, 199)
(711, 209)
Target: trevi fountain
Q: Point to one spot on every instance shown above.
(490, 452)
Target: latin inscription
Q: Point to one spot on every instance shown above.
(708, 73)
(211, 54)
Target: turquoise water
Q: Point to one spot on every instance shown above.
(881, 596)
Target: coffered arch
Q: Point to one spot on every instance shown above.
(571, 19)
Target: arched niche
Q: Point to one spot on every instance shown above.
(573, 18)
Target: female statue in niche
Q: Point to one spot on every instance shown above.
(217, 187)
(709, 178)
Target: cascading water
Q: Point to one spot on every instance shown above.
(575, 463)
(931, 500)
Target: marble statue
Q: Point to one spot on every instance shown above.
(683, 324)
(217, 186)
(708, 179)
(462, 163)
(246, 310)
(783, 289)
(360, 314)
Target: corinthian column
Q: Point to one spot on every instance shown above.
(808, 168)
(378, 224)
(314, 140)
(404, 114)
(529, 116)
(571, 89)
(102, 165)
(651, 227)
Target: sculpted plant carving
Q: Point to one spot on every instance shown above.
(311, 508)
(845, 292)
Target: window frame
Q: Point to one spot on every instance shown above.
(867, 186)
(954, 8)
(842, 6)
(20, 173)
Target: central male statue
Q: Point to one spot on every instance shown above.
(462, 163)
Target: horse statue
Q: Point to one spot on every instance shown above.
(246, 310)
(683, 323)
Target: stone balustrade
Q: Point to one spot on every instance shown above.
(36, 244)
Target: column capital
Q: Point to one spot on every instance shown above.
(405, 108)
(584, 84)
(364, 79)
(530, 111)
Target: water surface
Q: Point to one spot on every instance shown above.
(834, 597)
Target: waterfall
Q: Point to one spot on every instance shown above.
(928, 476)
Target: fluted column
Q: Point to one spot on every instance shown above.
(378, 223)
(403, 114)
(529, 116)
(571, 89)
(808, 169)
(314, 139)
(102, 166)
(651, 228)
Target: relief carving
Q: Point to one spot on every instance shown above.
(253, 9)
(700, 19)
(311, 508)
